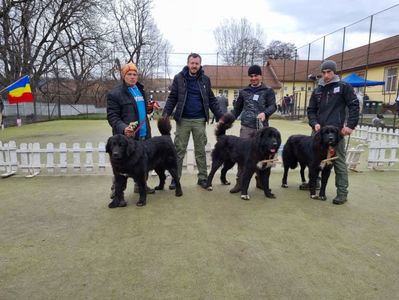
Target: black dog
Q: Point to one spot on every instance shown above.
(249, 153)
(131, 158)
(311, 151)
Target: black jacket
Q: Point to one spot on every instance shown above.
(122, 109)
(330, 102)
(178, 95)
(251, 102)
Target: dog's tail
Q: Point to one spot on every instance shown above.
(164, 126)
(225, 122)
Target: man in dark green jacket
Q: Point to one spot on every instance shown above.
(334, 102)
(255, 103)
(191, 96)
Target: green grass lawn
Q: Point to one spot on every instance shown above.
(59, 240)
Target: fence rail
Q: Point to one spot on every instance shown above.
(369, 133)
(31, 159)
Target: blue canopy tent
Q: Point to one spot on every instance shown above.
(357, 81)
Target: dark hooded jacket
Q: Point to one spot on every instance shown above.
(333, 103)
(253, 101)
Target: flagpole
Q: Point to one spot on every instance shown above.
(12, 84)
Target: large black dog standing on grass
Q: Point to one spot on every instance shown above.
(249, 153)
(135, 159)
(311, 151)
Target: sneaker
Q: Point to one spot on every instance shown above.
(202, 183)
(172, 185)
(339, 199)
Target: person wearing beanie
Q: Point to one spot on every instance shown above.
(255, 103)
(191, 97)
(329, 65)
(127, 103)
(334, 102)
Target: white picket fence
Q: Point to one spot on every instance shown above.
(370, 133)
(353, 156)
(31, 159)
(382, 153)
(382, 145)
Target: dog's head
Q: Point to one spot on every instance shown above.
(119, 147)
(329, 136)
(268, 140)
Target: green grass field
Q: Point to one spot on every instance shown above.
(58, 239)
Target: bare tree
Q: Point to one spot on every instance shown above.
(32, 31)
(238, 42)
(280, 50)
(138, 38)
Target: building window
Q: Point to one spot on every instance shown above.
(302, 88)
(309, 88)
(391, 79)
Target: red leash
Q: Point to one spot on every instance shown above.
(138, 128)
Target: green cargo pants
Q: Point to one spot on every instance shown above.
(341, 170)
(183, 130)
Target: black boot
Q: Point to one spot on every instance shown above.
(340, 199)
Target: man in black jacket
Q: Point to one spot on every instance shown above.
(334, 102)
(127, 103)
(191, 96)
(256, 103)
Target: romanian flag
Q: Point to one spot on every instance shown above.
(20, 91)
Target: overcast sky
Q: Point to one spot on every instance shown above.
(189, 24)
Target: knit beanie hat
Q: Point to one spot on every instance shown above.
(329, 64)
(254, 69)
(128, 67)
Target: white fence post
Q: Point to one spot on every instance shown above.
(63, 158)
(101, 156)
(50, 157)
(76, 156)
(89, 157)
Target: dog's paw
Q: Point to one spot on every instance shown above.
(270, 195)
(114, 204)
(304, 186)
(284, 185)
(122, 203)
(140, 203)
(209, 188)
(226, 182)
(318, 197)
(245, 197)
(178, 193)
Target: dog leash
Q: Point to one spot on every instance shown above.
(138, 127)
(259, 124)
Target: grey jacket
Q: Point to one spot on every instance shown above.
(252, 101)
